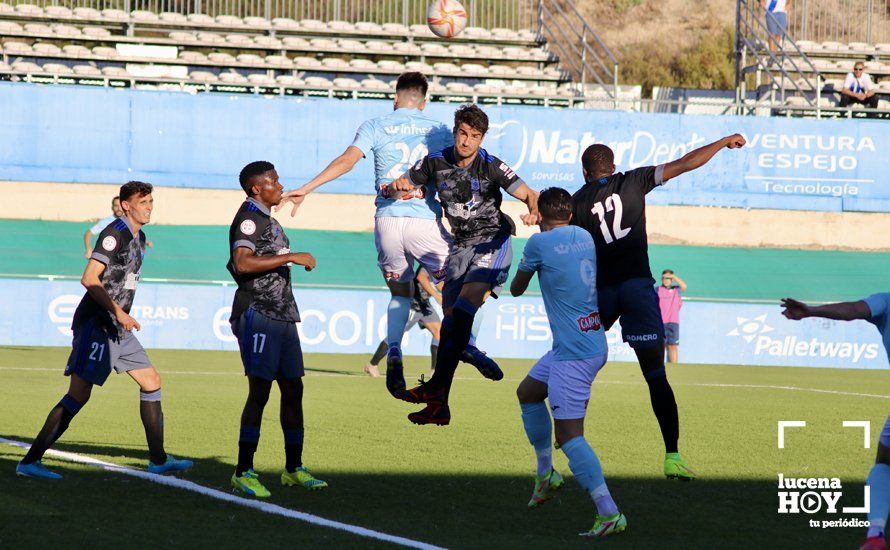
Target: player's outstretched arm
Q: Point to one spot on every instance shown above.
(88, 243)
(699, 157)
(92, 281)
(248, 263)
(520, 282)
(339, 166)
(423, 278)
(841, 311)
(529, 196)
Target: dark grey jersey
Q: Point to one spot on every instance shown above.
(122, 252)
(269, 292)
(471, 197)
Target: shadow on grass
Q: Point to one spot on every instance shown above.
(452, 510)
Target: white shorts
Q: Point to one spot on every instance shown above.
(400, 241)
(568, 383)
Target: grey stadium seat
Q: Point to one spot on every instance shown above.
(200, 19)
(87, 13)
(115, 15)
(144, 16)
(173, 17)
(76, 50)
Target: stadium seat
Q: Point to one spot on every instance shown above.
(38, 28)
(323, 44)
(378, 46)
(459, 87)
(392, 66)
(28, 9)
(312, 25)
(503, 34)
(250, 59)
(211, 38)
(421, 31)
(349, 83)
(261, 79)
(394, 28)
(238, 39)
(500, 70)
(144, 16)
(336, 25)
(443, 67)
(285, 23)
(362, 64)
(232, 78)
(267, 41)
(17, 47)
(528, 71)
(368, 27)
(418, 66)
(254, 21)
(26, 67)
(476, 32)
(884, 86)
(489, 51)
(407, 48)
(111, 14)
(100, 51)
(56, 68)
(436, 88)
(289, 80)
(318, 82)
(279, 61)
(861, 47)
(552, 72)
(57, 11)
(10, 26)
(87, 13)
(882, 47)
(306, 62)
(375, 84)
(46, 48)
(200, 19)
(833, 46)
(4, 66)
(203, 76)
(473, 68)
(351, 45)
(96, 32)
(221, 57)
(115, 71)
(334, 63)
(433, 48)
(182, 36)
(516, 52)
(462, 50)
(172, 17)
(527, 34)
(295, 42)
(229, 21)
(86, 70)
(76, 50)
(6, 8)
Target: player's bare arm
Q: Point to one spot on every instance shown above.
(247, 262)
(699, 157)
(339, 166)
(92, 281)
(88, 243)
(679, 282)
(841, 311)
(427, 285)
(520, 282)
(529, 196)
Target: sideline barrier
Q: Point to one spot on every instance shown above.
(38, 313)
(173, 139)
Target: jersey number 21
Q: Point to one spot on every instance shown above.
(612, 202)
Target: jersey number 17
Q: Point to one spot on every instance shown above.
(612, 202)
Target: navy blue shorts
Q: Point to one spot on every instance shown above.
(672, 334)
(481, 263)
(96, 349)
(635, 302)
(270, 349)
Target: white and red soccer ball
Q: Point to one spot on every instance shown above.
(446, 18)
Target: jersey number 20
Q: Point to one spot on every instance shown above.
(408, 159)
(612, 202)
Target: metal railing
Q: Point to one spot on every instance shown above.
(774, 72)
(840, 20)
(581, 51)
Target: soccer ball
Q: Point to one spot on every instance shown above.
(446, 18)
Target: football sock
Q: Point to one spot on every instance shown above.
(56, 423)
(455, 335)
(664, 405)
(474, 332)
(879, 482)
(434, 353)
(293, 449)
(248, 440)
(251, 419)
(153, 422)
(587, 469)
(380, 353)
(291, 415)
(539, 429)
(396, 318)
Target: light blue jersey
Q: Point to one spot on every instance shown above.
(565, 259)
(879, 305)
(398, 140)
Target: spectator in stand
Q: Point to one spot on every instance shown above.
(776, 21)
(670, 300)
(116, 212)
(858, 88)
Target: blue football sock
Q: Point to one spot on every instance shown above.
(879, 482)
(396, 318)
(539, 429)
(587, 469)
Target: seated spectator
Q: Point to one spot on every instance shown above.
(858, 88)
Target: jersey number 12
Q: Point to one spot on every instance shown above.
(612, 202)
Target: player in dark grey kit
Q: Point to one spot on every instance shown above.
(469, 182)
(263, 319)
(612, 207)
(103, 339)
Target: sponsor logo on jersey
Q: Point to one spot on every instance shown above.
(248, 227)
(407, 129)
(108, 243)
(589, 322)
(508, 172)
(642, 337)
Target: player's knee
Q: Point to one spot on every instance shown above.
(150, 380)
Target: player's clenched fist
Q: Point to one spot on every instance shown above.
(304, 259)
(735, 141)
(794, 310)
(402, 184)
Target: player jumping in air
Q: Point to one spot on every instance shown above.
(103, 337)
(263, 319)
(564, 258)
(406, 229)
(469, 181)
(876, 310)
(612, 207)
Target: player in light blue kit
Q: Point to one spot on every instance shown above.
(405, 229)
(564, 257)
(876, 310)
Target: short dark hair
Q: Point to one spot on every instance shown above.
(137, 188)
(252, 170)
(472, 116)
(555, 203)
(597, 159)
(115, 198)
(412, 82)
(667, 272)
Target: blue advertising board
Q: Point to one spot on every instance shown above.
(39, 312)
(174, 139)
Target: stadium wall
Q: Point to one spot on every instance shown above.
(99, 135)
(39, 312)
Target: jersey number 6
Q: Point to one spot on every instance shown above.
(612, 202)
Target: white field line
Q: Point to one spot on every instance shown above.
(477, 379)
(266, 507)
